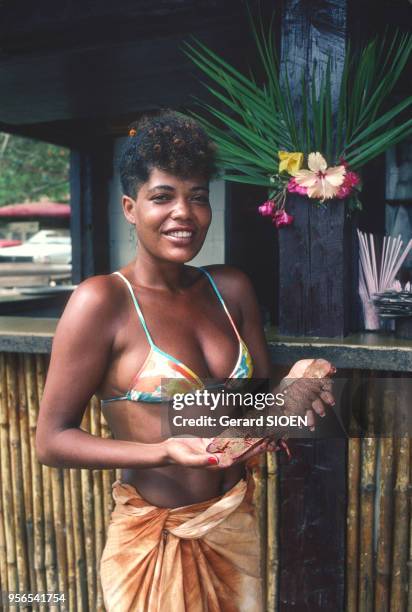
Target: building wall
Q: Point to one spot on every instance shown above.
(122, 243)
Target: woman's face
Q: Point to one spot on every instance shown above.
(171, 215)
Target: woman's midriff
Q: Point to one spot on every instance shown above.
(168, 486)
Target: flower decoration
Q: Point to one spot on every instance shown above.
(281, 218)
(318, 182)
(318, 149)
(266, 209)
(290, 162)
(350, 181)
(294, 187)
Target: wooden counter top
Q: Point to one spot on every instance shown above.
(365, 351)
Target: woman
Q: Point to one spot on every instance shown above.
(182, 534)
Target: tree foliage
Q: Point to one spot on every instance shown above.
(31, 170)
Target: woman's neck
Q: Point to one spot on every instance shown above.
(155, 274)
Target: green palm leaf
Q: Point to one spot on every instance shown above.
(251, 121)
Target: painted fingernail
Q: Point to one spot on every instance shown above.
(212, 460)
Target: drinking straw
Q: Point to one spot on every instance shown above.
(388, 267)
(366, 262)
(374, 267)
(385, 262)
(391, 260)
(401, 260)
(382, 262)
(397, 246)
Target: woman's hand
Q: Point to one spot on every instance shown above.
(191, 452)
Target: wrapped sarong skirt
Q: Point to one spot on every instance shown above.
(203, 557)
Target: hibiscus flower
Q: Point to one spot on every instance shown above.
(321, 182)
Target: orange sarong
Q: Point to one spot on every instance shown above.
(202, 557)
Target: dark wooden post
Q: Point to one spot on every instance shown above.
(318, 253)
(313, 484)
(90, 171)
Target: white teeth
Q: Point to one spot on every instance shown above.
(181, 234)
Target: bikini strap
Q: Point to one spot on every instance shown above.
(219, 295)
(138, 309)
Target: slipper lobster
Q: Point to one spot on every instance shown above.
(235, 442)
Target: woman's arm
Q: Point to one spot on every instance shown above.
(80, 356)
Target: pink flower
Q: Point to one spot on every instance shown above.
(266, 209)
(351, 180)
(281, 218)
(293, 187)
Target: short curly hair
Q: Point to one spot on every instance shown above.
(169, 141)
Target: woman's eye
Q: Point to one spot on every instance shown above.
(202, 200)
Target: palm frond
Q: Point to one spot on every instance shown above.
(251, 121)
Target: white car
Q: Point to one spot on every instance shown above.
(47, 246)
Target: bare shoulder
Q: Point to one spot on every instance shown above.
(96, 289)
(94, 302)
(233, 281)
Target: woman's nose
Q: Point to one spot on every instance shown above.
(181, 209)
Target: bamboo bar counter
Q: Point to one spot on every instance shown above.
(354, 492)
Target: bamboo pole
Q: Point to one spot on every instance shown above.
(352, 533)
(272, 561)
(60, 533)
(36, 471)
(88, 514)
(108, 477)
(98, 508)
(79, 552)
(3, 549)
(71, 569)
(26, 468)
(49, 536)
(400, 533)
(7, 498)
(16, 473)
(258, 467)
(385, 488)
(368, 487)
(409, 608)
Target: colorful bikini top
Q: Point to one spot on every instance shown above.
(162, 375)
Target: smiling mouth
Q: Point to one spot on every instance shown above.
(180, 236)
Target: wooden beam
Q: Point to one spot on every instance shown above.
(90, 173)
(105, 79)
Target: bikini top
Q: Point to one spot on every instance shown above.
(162, 375)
